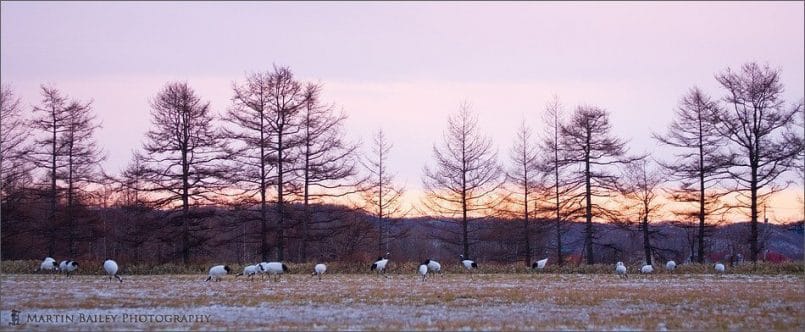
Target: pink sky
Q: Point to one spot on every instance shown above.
(402, 66)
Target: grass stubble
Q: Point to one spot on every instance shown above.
(452, 301)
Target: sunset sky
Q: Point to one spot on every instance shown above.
(404, 67)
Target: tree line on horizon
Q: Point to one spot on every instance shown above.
(276, 172)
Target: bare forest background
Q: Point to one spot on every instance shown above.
(273, 177)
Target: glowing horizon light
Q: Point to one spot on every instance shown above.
(405, 67)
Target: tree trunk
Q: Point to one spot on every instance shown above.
(646, 240)
(185, 210)
(305, 221)
(754, 233)
(70, 201)
(380, 207)
(185, 191)
(263, 222)
(559, 258)
(306, 212)
(280, 203)
(53, 192)
(754, 154)
(465, 237)
(525, 228)
(464, 231)
(700, 256)
(588, 230)
(263, 207)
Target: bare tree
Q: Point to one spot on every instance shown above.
(523, 184)
(554, 166)
(81, 165)
(640, 188)
(755, 120)
(13, 149)
(252, 150)
(698, 166)
(466, 176)
(329, 165)
(15, 171)
(181, 157)
(51, 121)
(287, 98)
(382, 198)
(588, 143)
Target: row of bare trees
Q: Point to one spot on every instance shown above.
(571, 167)
(276, 151)
(276, 167)
(59, 142)
(279, 144)
(578, 169)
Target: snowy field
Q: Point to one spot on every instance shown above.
(367, 302)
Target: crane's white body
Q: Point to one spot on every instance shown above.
(380, 265)
(262, 267)
(468, 263)
(111, 269)
(423, 271)
(249, 271)
(319, 269)
(68, 267)
(620, 269)
(48, 264)
(434, 266)
(217, 271)
(274, 269)
(670, 266)
(540, 264)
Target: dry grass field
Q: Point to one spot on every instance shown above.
(454, 301)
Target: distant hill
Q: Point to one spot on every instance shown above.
(724, 240)
(499, 242)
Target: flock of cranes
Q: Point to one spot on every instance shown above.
(69, 266)
(275, 269)
(620, 268)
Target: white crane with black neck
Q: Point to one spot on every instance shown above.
(380, 264)
(469, 264)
